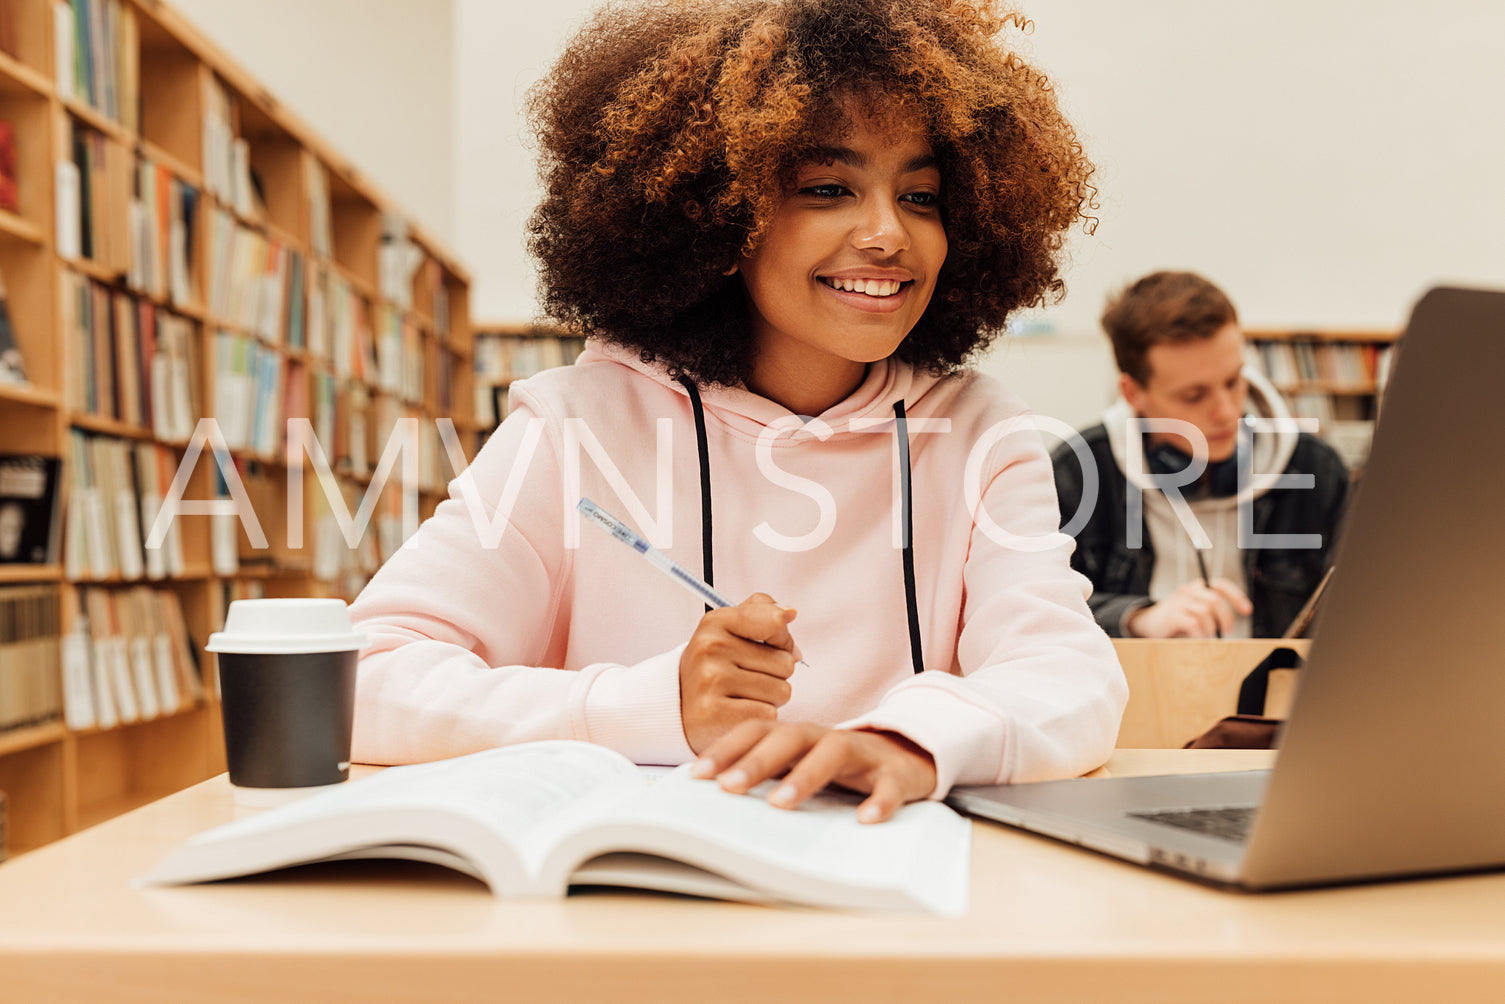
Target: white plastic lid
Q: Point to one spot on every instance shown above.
(286, 626)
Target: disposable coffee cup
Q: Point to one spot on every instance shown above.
(287, 695)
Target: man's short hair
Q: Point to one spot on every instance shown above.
(1163, 307)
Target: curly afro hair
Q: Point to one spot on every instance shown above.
(668, 131)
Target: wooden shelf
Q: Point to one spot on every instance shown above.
(29, 737)
(156, 154)
(93, 269)
(15, 74)
(21, 229)
(1334, 376)
(1326, 387)
(12, 574)
(108, 426)
(29, 394)
(96, 120)
(82, 326)
(515, 352)
(1322, 335)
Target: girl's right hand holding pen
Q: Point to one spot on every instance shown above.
(736, 668)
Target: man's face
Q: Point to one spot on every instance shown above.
(1198, 382)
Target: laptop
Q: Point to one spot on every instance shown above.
(1391, 762)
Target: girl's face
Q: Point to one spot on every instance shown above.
(847, 267)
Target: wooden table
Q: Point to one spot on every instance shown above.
(1048, 922)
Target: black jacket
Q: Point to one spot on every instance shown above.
(1279, 580)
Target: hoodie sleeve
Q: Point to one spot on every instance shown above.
(466, 635)
(1038, 692)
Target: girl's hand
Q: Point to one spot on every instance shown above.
(885, 765)
(736, 669)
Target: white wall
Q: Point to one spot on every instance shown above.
(501, 49)
(375, 78)
(1324, 160)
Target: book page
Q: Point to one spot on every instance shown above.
(817, 854)
(487, 808)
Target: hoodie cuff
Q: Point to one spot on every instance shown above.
(1113, 615)
(635, 711)
(968, 742)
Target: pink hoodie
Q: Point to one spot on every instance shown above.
(506, 618)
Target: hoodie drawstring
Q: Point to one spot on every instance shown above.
(916, 655)
(705, 483)
(912, 604)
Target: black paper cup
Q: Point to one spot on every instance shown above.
(287, 695)
(287, 717)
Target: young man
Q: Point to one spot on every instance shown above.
(1205, 513)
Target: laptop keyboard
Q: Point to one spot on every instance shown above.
(1226, 822)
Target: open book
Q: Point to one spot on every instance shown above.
(537, 818)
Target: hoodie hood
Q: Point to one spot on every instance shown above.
(747, 413)
(1272, 450)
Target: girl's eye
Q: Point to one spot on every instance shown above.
(924, 200)
(829, 190)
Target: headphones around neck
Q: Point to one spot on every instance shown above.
(1220, 480)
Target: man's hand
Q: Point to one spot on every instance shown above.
(735, 669)
(885, 765)
(1194, 610)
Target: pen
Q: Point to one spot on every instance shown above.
(657, 558)
(1202, 564)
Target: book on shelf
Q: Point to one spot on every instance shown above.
(226, 156)
(8, 191)
(115, 340)
(128, 658)
(537, 819)
(31, 494)
(225, 527)
(12, 362)
(174, 384)
(67, 202)
(163, 212)
(85, 553)
(349, 339)
(155, 468)
(114, 471)
(114, 690)
(297, 306)
(101, 207)
(399, 354)
(96, 43)
(398, 259)
(108, 501)
(320, 215)
(30, 634)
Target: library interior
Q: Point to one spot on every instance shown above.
(269, 282)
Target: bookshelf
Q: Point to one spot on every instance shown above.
(508, 352)
(183, 247)
(1334, 376)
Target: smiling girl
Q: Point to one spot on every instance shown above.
(785, 225)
